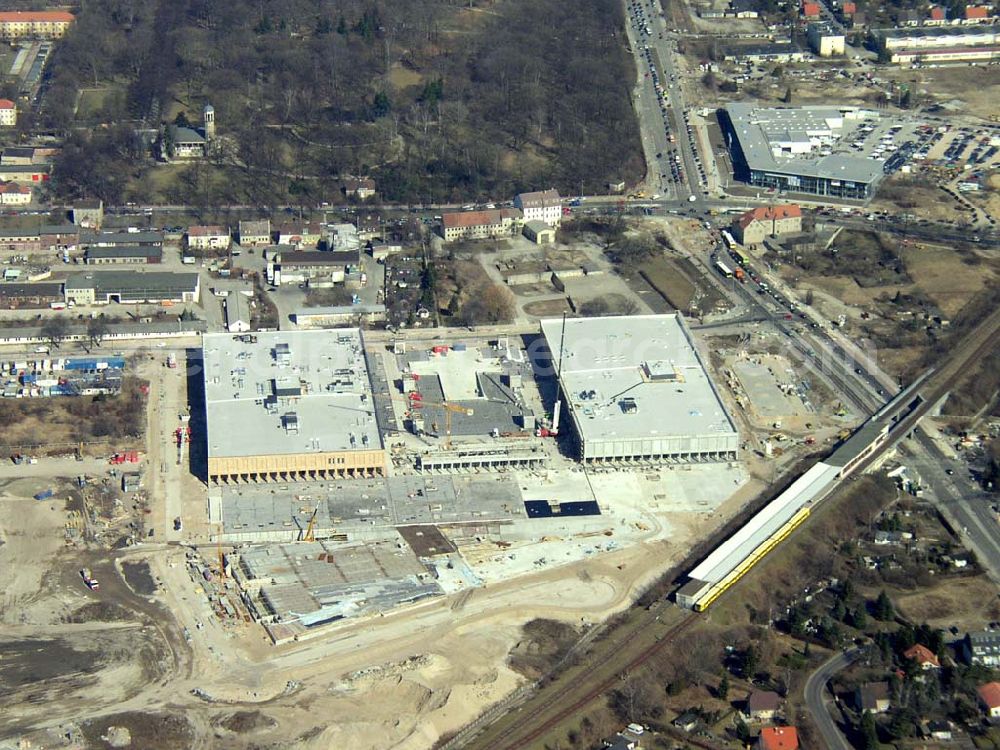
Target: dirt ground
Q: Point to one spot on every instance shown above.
(966, 603)
(950, 279)
(973, 91)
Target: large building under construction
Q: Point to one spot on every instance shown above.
(289, 405)
(636, 391)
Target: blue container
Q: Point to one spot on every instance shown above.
(44, 495)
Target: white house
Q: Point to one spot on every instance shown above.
(542, 205)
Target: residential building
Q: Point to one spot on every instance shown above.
(778, 738)
(123, 239)
(542, 205)
(14, 296)
(936, 37)
(370, 227)
(18, 155)
(621, 742)
(312, 267)
(752, 227)
(810, 9)
(300, 234)
(480, 225)
(742, 9)
(237, 313)
(982, 648)
(8, 113)
(338, 315)
(35, 24)
(925, 56)
(361, 188)
(825, 40)
(923, 656)
(909, 17)
(687, 721)
(937, 16)
(128, 254)
(539, 232)
(255, 233)
(989, 699)
(342, 238)
(381, 250)
(848, 9)
(762, 705)
(781, 52)
(801, 149)
(131, 287)
(977, 14)
(14, 194)
(874, 697)
(88, 213)
(25, 172)
(208, 237)
(188, 143)
(938, 730)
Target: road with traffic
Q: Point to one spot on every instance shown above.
(816, 699)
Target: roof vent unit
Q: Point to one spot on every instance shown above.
(282, 354)
(287, 388)
(290, 422)
(628, 405)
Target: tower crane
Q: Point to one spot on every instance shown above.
(449, 409)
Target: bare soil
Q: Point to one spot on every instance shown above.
(545, 642)
(163, 731)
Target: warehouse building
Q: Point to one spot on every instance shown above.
(289, 406)
(131, 287)
(133, 254)
(802, 149)
(637, 391)
(123, 239)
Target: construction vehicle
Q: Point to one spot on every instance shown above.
(309, 535)
(89, 580)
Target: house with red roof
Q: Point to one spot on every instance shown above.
(937, 16)
(989, 698)
(36, 24)
(752, 227)
(8, 113)
(778, 738)
(849, 8)
(14, 194)
(976, 14)
(810, 10)
(923, 656)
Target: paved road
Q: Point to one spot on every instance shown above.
(959, 498)
(816, 699)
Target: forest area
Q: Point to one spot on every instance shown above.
(437, 101)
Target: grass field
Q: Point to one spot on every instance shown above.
(672, 279)
(91, 102)
(948, 278)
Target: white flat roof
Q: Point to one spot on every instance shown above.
(768, 520)
(290, 392)
(634, 377)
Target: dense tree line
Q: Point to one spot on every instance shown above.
(433, 100)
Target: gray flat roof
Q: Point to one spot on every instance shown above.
(114, 281)
(929, 32)
(320, 377)
(768, 137)
(106, 239)
(634, 377)
(125, 251)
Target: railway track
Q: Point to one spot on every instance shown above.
(540, 717)
(524, 730)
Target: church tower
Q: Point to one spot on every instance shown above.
(209, 119)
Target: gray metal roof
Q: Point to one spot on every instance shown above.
(115, 330)
(108, 239)
(327, 371)
(633, 377)
(114, 281)
(125, 251)
(768, 134)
